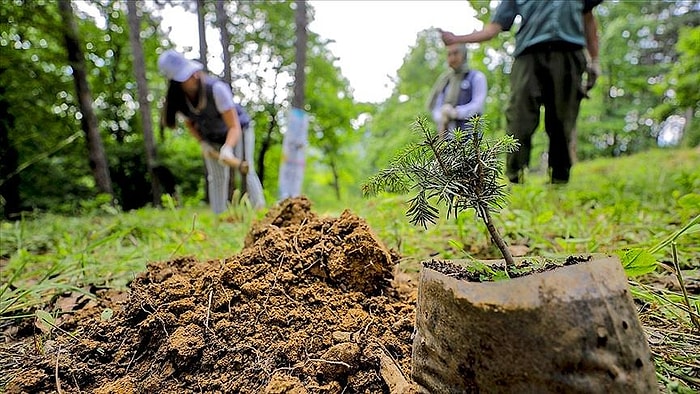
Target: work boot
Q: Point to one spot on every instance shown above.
(516, 177)
(559, 176)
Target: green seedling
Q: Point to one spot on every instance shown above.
(462, 172)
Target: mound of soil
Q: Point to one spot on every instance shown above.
(308, 306)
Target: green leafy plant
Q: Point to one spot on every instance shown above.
(638, 261)
(462, 172)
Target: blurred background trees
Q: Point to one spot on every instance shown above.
(648, 96)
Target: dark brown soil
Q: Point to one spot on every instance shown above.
(310, 305)
(475, 271)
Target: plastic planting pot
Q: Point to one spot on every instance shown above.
(572, 329)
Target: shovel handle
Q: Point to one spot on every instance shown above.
(237, 164)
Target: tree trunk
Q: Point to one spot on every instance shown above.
(221, 19)
(237, 179)
(96, 152)
(267, 142)
(336, 178)
(201, 23)
(139, 65)
(300, 56)
(291, 172)
(9, 178)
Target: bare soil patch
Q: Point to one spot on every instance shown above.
(310, 305)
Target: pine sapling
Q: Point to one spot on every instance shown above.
(461, 172)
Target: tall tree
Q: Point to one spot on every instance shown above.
(225, 37)
(96, 152)
(139, 66)
(300, 54)
(9, 179)
(201, 24)
(291, 172)
(221, 20)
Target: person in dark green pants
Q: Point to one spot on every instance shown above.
(556, 45)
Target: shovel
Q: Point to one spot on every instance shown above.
(237, 164)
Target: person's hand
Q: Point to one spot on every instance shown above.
(226, 154)
(592, 73)
(448, 112)
(207, 149)
(448, 38)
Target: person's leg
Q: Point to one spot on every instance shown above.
(561, 110)
(523, 113)
(218, 177)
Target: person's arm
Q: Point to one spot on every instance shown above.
(206, 147)
(223, 99)
(488, 32)
(476, 105)
(437, 109)
(590, 29)
(230, 117)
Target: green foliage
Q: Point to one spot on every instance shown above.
(638, 51)
(684, 76)
(332, 134)
(627, 106)
(415, 78)
(462, 172)
(637, 262)
(50, 255)
(348, 140)
(182, 155)
(40, 97)
(683, 80)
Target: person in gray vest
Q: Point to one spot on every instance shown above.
(458, 94)
(548, 71)
(214, 119)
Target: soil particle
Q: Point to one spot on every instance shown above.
(307, 306)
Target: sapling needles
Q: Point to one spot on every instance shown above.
(460, 172)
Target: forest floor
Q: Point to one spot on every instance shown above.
(310, 305)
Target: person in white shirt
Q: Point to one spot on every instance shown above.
(213, 118)
(458, 94)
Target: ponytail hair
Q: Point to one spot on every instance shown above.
(174, 103)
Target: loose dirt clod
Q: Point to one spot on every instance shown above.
(307, 306)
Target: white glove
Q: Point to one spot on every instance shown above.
(226, 153)
(448, 112)
(207, 149)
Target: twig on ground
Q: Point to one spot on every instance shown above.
(186, 237)
(296, 236)
(320, 360)
(58, 380)
(206, 320)
(679, 275)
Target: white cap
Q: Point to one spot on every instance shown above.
(174, 66)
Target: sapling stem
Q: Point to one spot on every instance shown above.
(500, 243)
